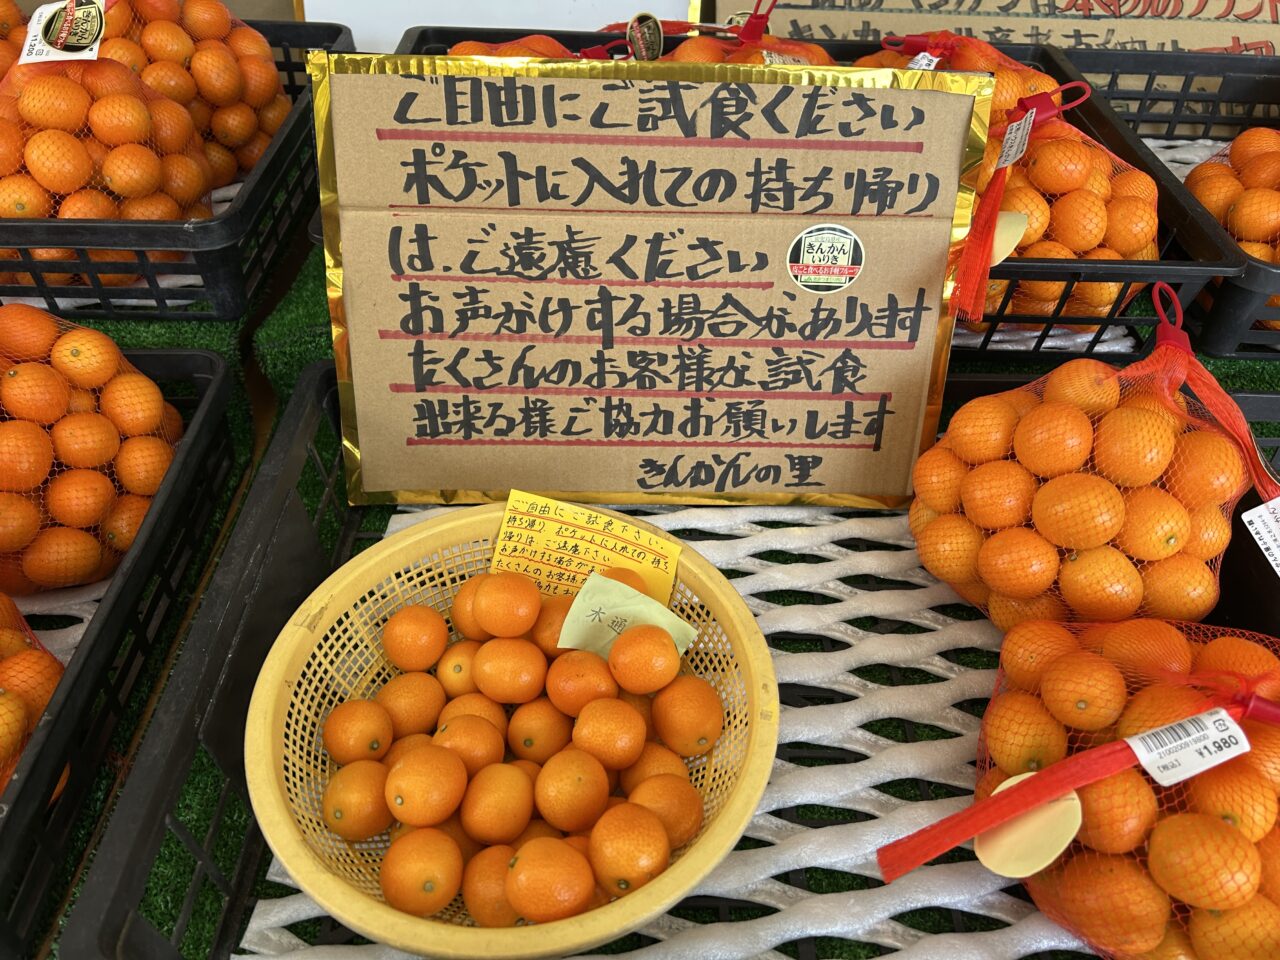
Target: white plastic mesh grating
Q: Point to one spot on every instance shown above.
(882, 680)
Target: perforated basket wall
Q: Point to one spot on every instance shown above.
(332, 651)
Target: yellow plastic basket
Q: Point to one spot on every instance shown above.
(331, 651)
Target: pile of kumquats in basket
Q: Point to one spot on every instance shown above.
(538, 781)
(1087, 514)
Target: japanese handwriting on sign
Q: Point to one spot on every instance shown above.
(560, 544)
(628, 277)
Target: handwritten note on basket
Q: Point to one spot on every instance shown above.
(559, 545)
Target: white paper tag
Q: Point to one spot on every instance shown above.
(70, 30)
(1180, 750)
(771, 57)
(1263, 522)
(1015, 140)
(604, 608)
(923, 61)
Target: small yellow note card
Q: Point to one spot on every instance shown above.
(604, 608)
(558, 545)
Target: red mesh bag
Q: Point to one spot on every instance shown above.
(1240, 187)
(1082, 202)
(12, 31)
(28, 675)
(1192, 865)
(85, 440)
(181, 99)
(1092, 493)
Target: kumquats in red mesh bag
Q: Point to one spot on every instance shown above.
(1090, 494)
(12, 31)
(749, 43)
(1081, 201)
(28, 676)
(182, 98)
(1169, 735)
(944, 50)
(85, 441)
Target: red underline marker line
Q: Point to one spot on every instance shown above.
(581, 340)
(672, 394)
(665, 444)
(633, 140)
(575, 281)
(664, 211)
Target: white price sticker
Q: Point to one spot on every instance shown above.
(923, 61)
(1263, 522)
(70, 30)
(771, 57)
(1015, 140)
(1181, 750)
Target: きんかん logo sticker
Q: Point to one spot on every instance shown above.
(825, 258)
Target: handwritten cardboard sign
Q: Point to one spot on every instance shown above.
(613, 281)
(1204, 26)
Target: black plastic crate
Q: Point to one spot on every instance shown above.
(1211, 96)
(280, 551)
(1193, 248)
(127, 626)
(231, 255)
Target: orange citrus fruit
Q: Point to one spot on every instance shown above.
(453, 669)
(1083, 690)
(571, 790)
(1112, 902)
(546, 629)
(936, 479)
(1006, 612)
(1058, 166)
(1250, 932)
(478, 705)
(1251, 143)
(352, 804)
(982, 429)
(1203, 861)
(507, 604)
(578, 677)
(1100, 584)
(32, 676)
(1206, 469)
(1210, 533)
(1078, 510)
(421, 872)
(1132, 447)
(1091, 385)
(61, 557)
(537, 731)
(675, 802)
(688, 715)
(1021, 735)
(462, 611)
(949, 548)
(1155, 526)
(414, 637)
(1053, 439)
(413, 701)
(548, 879)
(611, 731)
(644, 659)
(1179, 588)
(425, 786)
(484, 887)
(509, 671)
(655, 760)
(1028, 649)
(628, 847)
(998, 494)
(1117, 812)
(357, 730)
(1017, 562)
(474, 739)
(1237, 793)
(498, 804)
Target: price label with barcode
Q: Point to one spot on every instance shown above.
(923, 61)
(1179, 751)
(1016, 139)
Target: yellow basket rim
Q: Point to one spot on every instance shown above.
(371, 917)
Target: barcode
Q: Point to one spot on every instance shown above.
(1173, 734)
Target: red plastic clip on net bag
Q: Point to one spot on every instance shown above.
(28, 676)
(85, 442)
(1092, 493)
(1158, 869)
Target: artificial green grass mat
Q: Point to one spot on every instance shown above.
(297, 333)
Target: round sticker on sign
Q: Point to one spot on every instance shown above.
(825, 258)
